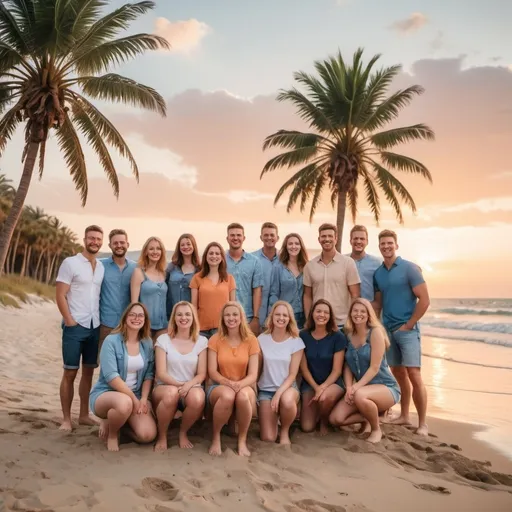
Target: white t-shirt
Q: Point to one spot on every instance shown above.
(84, 293)
(181, 367)
(276, 360)
(135, 364)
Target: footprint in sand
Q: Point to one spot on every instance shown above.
(309, 505)
(158, 488)
(160, 508)
(434, 488)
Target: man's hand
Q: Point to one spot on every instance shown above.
(255, 326)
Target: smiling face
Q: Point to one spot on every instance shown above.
(280, 317)
(184, 317)
(293, 246)
(154, 251)
(235, 238)
(232, 318)
(269, 237)
(388, 247)
(327, 239)
(358, 241)
(186, 247)
(214, 256)
(93, 241)
(119, 245)
(321, 315)
(135, 318)
(359, 315)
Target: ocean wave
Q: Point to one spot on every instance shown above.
(476, 311)
(468, 326)
(472, 363)
(467, 337)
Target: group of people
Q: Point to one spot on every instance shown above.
(270, 334)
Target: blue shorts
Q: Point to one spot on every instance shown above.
(209, 392)
(268, 395)
(208, 333)
(305, 387)
(80, 342)
(405, 349)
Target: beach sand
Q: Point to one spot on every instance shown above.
(42, 469)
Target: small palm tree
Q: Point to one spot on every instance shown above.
(50, 50)
(346, 109)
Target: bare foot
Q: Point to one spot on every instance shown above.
(422, 430)
(243, 451)
(88, 420)
(103, 431)
(375, 436)
(215, 448)
(324, 428)
(364, 429)
(161, 445)
(184, 441)
(66, 426)
(400, 420)
(112, 443)
(284, 439)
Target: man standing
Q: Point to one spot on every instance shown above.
(115, 288)
(402, 293)
(267, 257)
(331, 276)
(78, 299)
(246, 270)
(366, 263)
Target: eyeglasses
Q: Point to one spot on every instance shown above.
(137, 315)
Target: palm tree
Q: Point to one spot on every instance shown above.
(49, 51)
(345, 108)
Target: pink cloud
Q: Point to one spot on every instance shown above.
(184, 36)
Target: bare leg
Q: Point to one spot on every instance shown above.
(342, 413)
(84, 390)
(222, 400)
(330, 397)
(116, 408)
(245, 402)
(143, 427)
(419, 396)
(166, 402)
(66, 398)
(287, 413)
(268, 422)
(194, 407)
(309, 414)
(402, 377)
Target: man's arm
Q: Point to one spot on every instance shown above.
(355, 290)
(256, 302)
(377, 303)
(421, 292)
(62, 303)
(307, 300)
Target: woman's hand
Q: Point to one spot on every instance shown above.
(318, 393)
(143, 406)
(349, 395)
(136, 405)
(274, 403)
(184, 389)
(235, 386)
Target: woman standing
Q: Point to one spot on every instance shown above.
(180, 360)
(233, 355)
(148, 284)
(211, 288)
(371, 387)
(321, 366)
(282, 351)
(179, 273)
(287, 278)
(126, 374)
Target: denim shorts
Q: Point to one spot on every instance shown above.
(268, 395)
(305, 387)
(80, 342)
(405, 349)
(209, 392)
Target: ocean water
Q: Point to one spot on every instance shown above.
(467, 364)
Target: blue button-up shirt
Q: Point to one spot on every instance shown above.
(366, 267)
(267, 267)
(285, 286)
(248, 275)
(178, 286)
(115, 291)
(395, 285)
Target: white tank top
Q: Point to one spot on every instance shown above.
(135, 364)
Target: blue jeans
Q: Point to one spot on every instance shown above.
(405, 348)
(80, 342)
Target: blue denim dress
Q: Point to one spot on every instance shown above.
(178, 286)
(153, 294)
(358, 360)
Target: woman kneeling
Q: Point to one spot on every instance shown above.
(282, 351)
(233, 354)
(371, 387)
(126, 375)
(180, 360)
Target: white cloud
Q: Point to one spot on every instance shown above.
(485, 205)
(239, 196)
(184, 36)
(502, 175)
(407, 25)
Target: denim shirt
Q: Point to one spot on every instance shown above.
(178, 286)
(114, 363)
(153, 294)
(285, 286)
(115, 291)
(267, 268)
(366, 267)
(248, 275)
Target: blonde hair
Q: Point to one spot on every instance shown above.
(144, 259)
(144, 331)
(291, 328)
(373, 321)
(173, 325)
(244, 329)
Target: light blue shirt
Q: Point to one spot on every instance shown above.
(153, 294)
(248, 275)
(366, 267)
(395, 285)
(285, 286)
(267, 267)
(178, 286)
(115, 291)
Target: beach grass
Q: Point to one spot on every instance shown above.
(16, 290)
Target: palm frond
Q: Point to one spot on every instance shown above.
(10, 57)
(10, 32)
(304, 175)
(317, 196)
(293, 139)
(382, 179)
(8, 124)
(352, 197)
(101, 57)
(24, 12)
(405, 163)
(118, 88)
(390, 138)
(42, 154)
(88, 11)
(371, 193)
(397, 186)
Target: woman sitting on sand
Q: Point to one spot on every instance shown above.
(371, 387)
(233, 354)
(321, 366)
(148, 284)
(126, 374)
(180, 361)
(282, 351)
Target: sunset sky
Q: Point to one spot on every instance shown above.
(200, 166)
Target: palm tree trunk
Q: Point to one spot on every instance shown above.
(7, 268)
(19, 201)
(24, 261)
(38, 264)
(15, 250)
(340, 217)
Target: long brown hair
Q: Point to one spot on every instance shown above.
(173, 326)
(144, 260)
(372, 323)
(302, 257)
(223, 267)
(331, 324)
(244, 329)
(178, 258)
(144, 332)
(291, 328)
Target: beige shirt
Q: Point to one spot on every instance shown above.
(331, 282)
